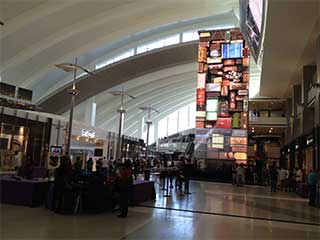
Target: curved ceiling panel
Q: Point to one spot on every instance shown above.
(165, 91)
(121, 72)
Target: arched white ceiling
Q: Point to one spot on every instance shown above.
(38, 34)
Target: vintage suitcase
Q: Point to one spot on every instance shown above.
(202, 54)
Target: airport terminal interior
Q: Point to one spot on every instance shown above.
(159, 119)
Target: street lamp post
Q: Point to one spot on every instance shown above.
(121, 111)
(72, 67)
(148, 122)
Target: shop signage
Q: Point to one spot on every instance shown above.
(309, 141)
(87, 133)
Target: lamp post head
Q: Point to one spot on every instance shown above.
(147, 108)
(121, 93)
(70, 67)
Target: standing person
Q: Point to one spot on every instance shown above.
(234, 174)
(282, 178)
(240, 175)
(265, 174)
(89, 165)
(124, 183)
(104, 166)
(273, 178)
(61, 179)
(312, 180)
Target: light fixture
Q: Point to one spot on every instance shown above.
(148, 122)
(121, 111)
(72, 67)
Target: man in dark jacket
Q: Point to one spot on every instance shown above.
(273, 178)
(61, 179)
(124, 183)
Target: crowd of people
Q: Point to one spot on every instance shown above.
(109, 185)
(279, 179)
(243, 175)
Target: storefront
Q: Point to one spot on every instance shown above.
(131, 147)
(23, 135)
(298, 153)
(309, 152)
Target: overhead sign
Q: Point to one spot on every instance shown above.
(87, 133)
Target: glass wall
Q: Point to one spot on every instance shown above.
(180, 120)
(190, 35)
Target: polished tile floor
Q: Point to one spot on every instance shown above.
(178, 217)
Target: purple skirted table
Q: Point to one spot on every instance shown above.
(142, 191)
(23, 192)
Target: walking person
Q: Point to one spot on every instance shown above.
(283, 178)
(312, 180)
(234, 174)
(124, 183)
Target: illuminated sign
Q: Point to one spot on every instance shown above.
(87, 133)
(217, 141)
(309, 141)
(240, 156)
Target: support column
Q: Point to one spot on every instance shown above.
(155, 125)
(140, 126)
(317, 107)
(90, 112)
(296, 109)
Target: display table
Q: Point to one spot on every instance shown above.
(23, 192)
(142, 191)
